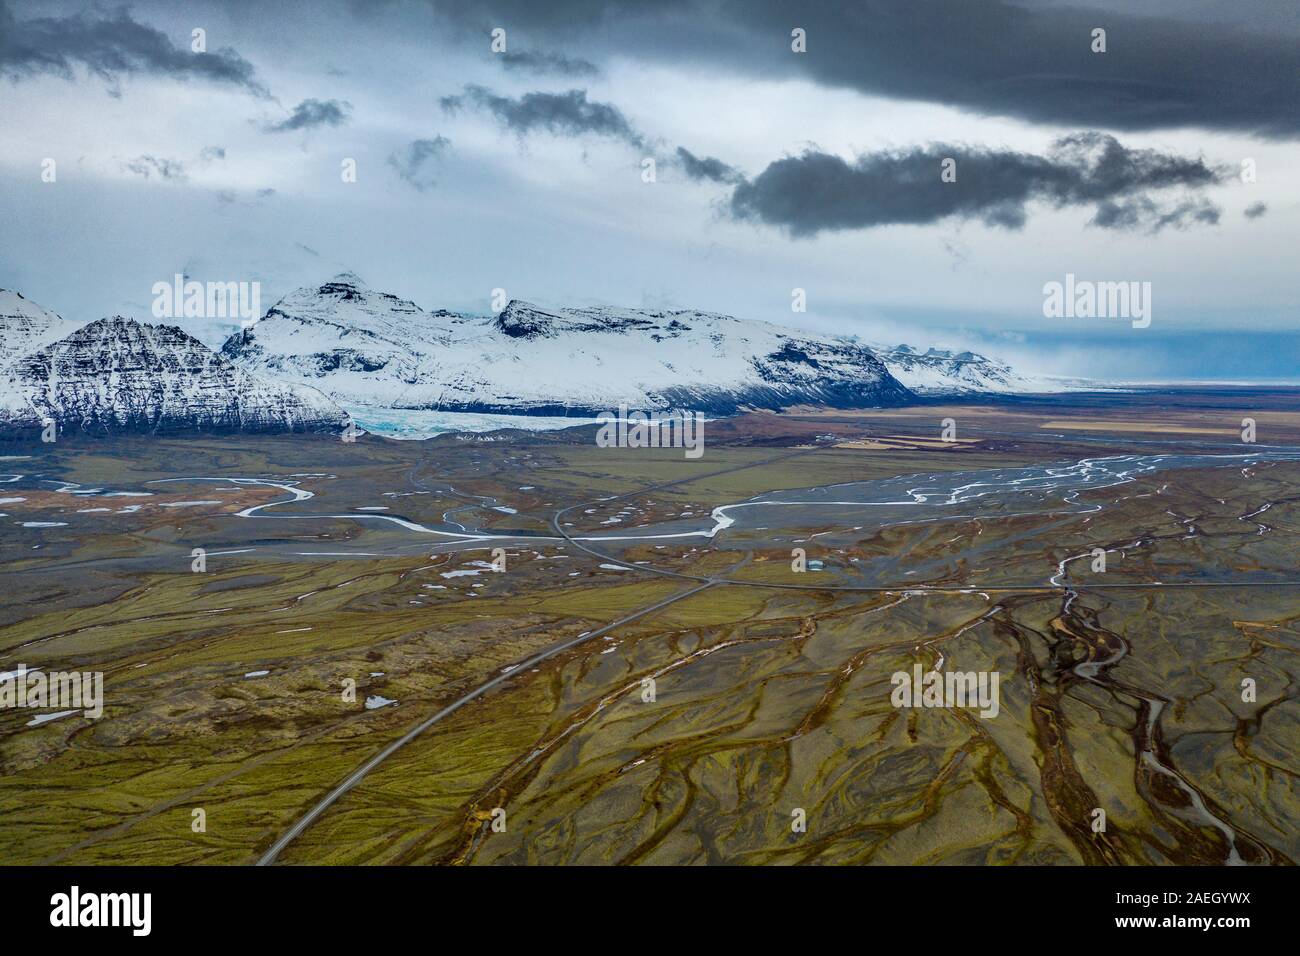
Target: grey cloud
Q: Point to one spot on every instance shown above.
(148, 166)
(706, 168)
(312, 113)
(565, 114)
(210, 153)
(483, 15)
(1144, 213)
(555, 64)
(818, 192)
(1255, 210)
(988, 56)
(414, 163)
(110, 46)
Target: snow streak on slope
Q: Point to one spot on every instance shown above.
(25, 326)
(120, 375)
(943, 372)
(359, 346)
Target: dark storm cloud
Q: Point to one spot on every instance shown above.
(564, 114)
(706, 168)
(553, 64)
(486, 15)
(310, 114)
(815, 192)
(149, 166)
(988, 56)
(110, 46)
(1255, 210)
(415, 161)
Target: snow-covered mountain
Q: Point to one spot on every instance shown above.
(359, 346)
(120, 375)
(25, 326)
(362, 347)
(943, 372)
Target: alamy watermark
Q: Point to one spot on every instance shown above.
(947, 689)
(207, 300)
(1084, 299)
(130, 910)
(58, 690)
(674, 429)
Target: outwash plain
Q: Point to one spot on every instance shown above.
(519, 697)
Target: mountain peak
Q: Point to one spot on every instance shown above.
(345, 285)
(124, 325)
(25, 326)
(523, 320)
(119, 374)
(370, 344)
(939, 371)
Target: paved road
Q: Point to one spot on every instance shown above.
(357, 776)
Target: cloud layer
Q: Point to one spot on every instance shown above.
(1032, 62)
(555, 64)
(148, 166)
(817, 192)
(110, 47)
(565, 114)
(706, 168)
(414, 163)
(312, 113)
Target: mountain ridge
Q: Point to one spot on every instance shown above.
(118, 375)
(341, 343)
(536, 360)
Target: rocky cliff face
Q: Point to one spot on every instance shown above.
(119, 375)
(943, 372)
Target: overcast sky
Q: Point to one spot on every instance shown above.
(775, 170)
